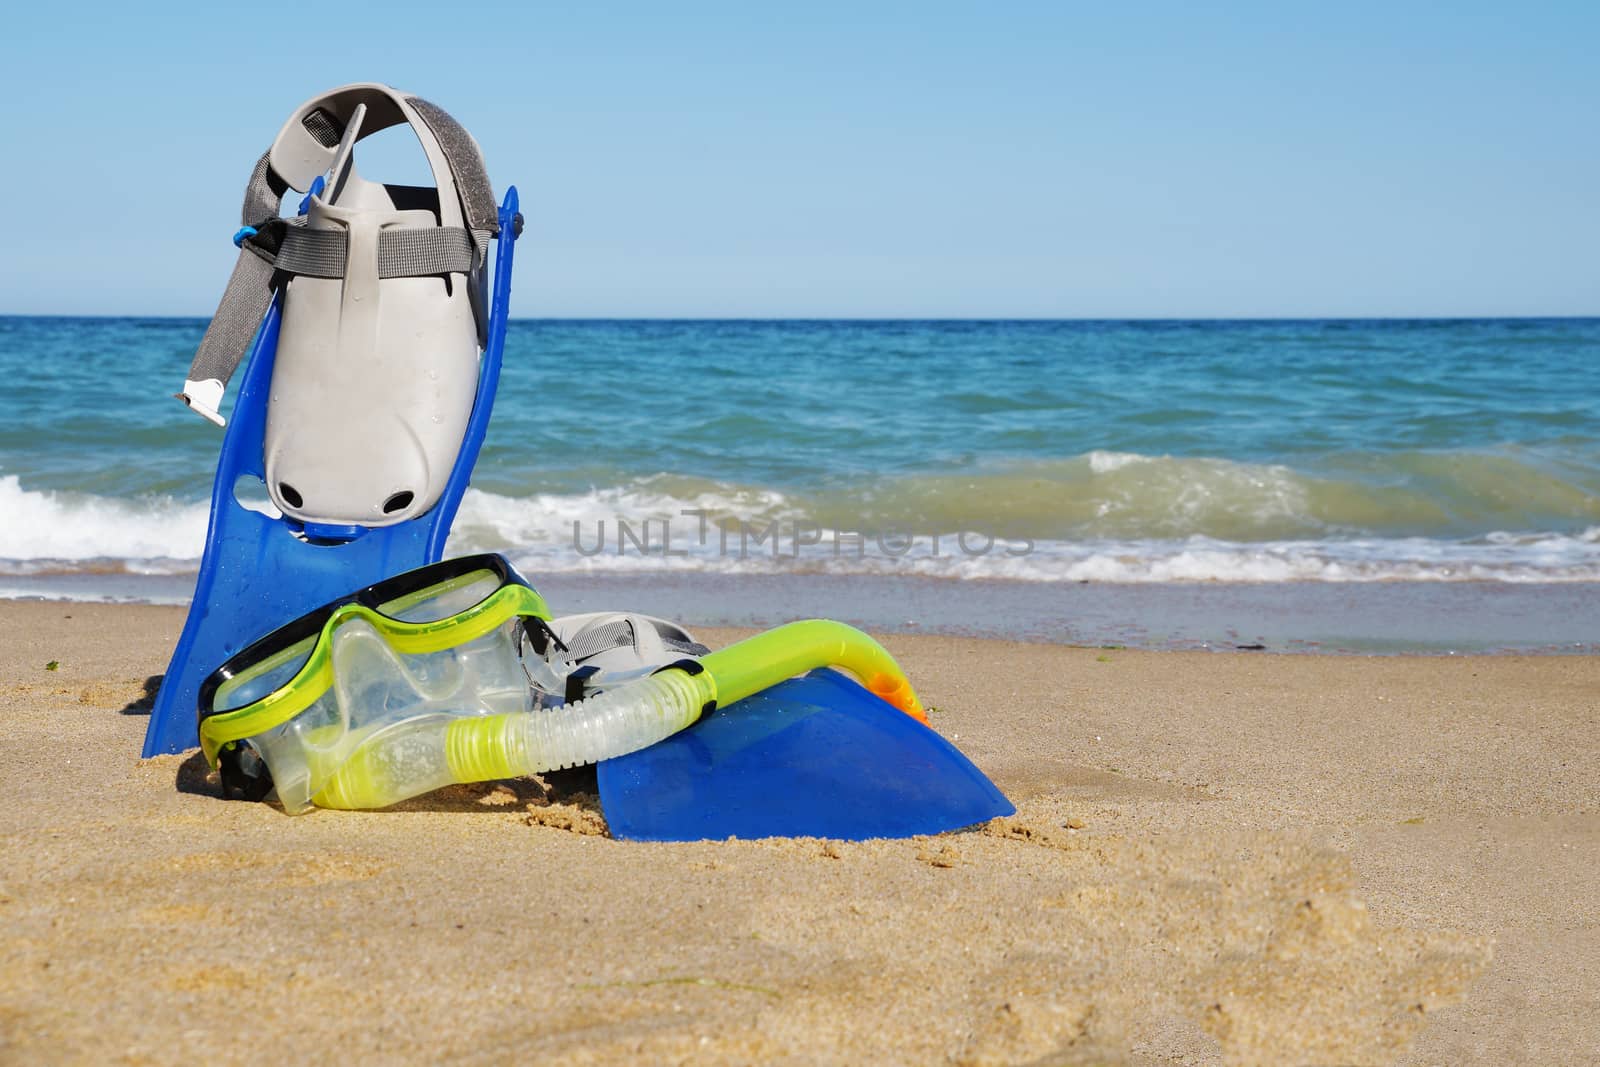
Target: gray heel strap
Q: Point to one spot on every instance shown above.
(304, 149)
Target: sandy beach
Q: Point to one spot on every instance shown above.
(1237, 858)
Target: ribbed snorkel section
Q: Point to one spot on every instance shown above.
(429, 752)
(608, 724)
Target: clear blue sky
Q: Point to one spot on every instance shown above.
(855, 159)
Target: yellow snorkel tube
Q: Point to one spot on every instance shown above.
(394, 765)
(760, 662)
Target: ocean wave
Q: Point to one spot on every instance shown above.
(45, 528)
(1126, 496)
(681, 524)
(718, 530)
(1518, 559)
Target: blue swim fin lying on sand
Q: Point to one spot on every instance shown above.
(816, 756)
(365, 398)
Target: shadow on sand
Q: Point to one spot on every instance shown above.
(147, 701)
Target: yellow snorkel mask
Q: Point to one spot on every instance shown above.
(436, 676)
(445, 641)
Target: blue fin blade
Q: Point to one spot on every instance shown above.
(817, 756)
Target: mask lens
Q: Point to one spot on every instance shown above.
(379, 733)
(264, 678)
(439, 602)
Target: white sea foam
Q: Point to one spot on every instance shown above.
(565, 535)
(1104, 462)
(1558, 560)
(40, 526)
(728, 530)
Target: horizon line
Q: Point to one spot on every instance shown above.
(911, 318)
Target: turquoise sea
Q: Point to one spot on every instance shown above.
(1035, 452)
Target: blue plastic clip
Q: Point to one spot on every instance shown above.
(244, 231)
(324, 533)
(318, 184)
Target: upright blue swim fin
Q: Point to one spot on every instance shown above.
(816, 756)
(259, 572)
(369, 383)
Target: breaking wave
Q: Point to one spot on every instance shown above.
(1100, 517)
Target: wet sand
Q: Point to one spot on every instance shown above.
(1437, 617)
(1237, 858)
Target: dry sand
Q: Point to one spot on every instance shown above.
(1216, 858)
